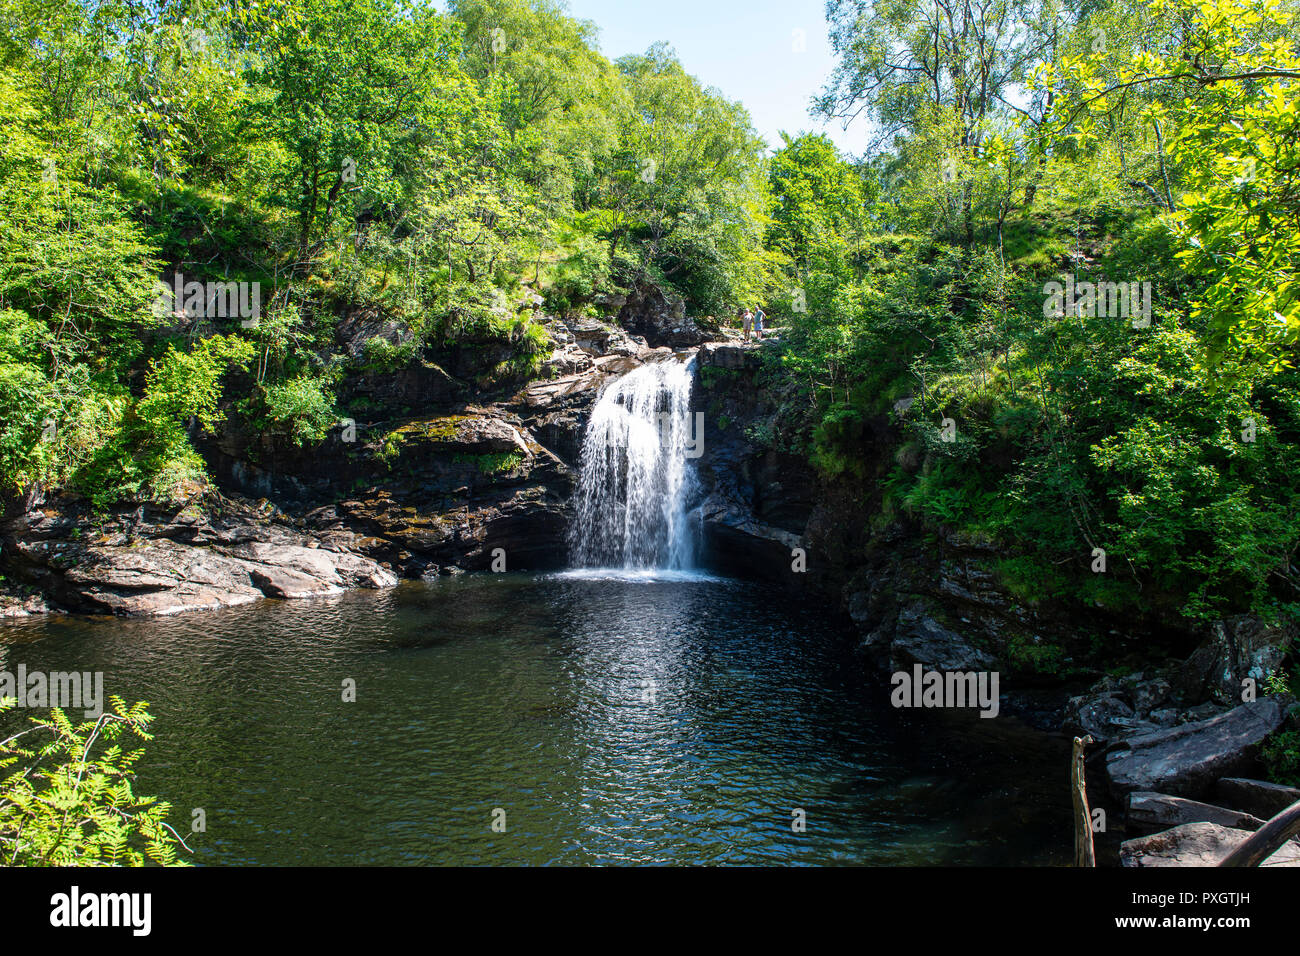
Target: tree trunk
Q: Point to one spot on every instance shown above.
(1083, 848)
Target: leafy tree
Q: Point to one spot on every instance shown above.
(1230, 92)
(68, 796)
(687, 189)
(820, 205)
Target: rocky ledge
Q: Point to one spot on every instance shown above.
(212, 552)
(1198, 844)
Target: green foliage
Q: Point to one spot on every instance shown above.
(686, 190)
(1036, 656)
(1281, 755)
(150, 454)
(494, 463)
(379, 158)
(301, 408)
(390, 448)
(820, 207)
(1171, 444)
(380, 355)
(383, 159)
(67, 797)
(1228, 93)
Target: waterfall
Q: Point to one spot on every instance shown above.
(638, 473)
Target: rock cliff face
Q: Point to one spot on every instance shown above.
(924, 595)
(1164, 705)
(913, 597)
(662, 320)
(439, 476)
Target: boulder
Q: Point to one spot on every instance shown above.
(1264, 800)
(920, 639)
(596, 339)
(1105, 717)
(1159, 811)
(1237, 648)
(1196, 844)
(483, 435)
(292, 571)
(660, 319)
(1139, 703)
(1188, 759)
(168, 578)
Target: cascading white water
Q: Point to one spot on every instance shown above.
(638, 473)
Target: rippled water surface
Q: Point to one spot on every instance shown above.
(615, 719)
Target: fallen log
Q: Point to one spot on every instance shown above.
(1265, 841)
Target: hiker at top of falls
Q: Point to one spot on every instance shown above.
(759, 316)
(747, 320)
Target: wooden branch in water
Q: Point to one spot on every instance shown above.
(1083, 849)
(1266, 841)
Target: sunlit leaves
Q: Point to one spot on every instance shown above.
(67, 793)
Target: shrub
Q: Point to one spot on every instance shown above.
(68, 800)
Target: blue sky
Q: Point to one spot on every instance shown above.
(745, 48)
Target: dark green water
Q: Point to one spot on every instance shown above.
(613, 721)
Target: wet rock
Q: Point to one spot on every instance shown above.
(921, 639)
(1159, 811)
(1187, 760)
(19, 602)
(1263, 799)
(745, 543)
(1197, 844)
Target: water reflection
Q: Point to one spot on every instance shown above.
(612, 720)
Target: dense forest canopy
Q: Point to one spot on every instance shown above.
(1064, 264)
